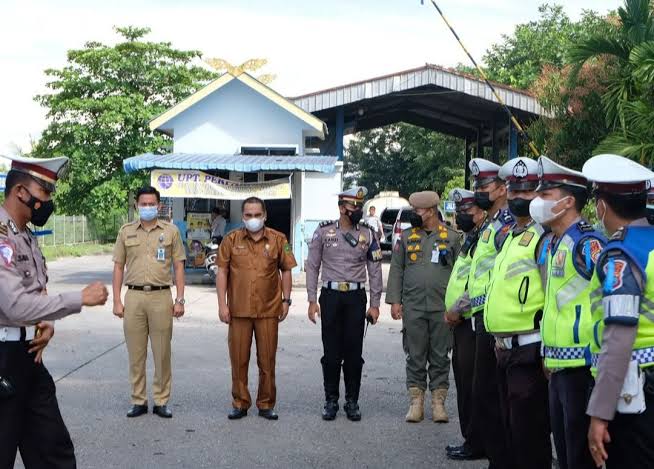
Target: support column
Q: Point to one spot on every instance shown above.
(513, 141)
(340, 131)
(467, 168)
(495, 153)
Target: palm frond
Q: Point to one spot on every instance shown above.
(596, 46)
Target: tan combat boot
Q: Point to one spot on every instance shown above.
(417, 407)
(438, 406)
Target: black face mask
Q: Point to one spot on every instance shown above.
(415, 220)
(40, 215)
(355, 217)
(464, 222)
(483, 201)
(519, 207)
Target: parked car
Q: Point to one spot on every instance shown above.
(388, 217)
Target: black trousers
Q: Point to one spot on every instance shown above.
(632, 435)
(486, 399)
(343, 317)
(30, 419)
(463, 365)
(524, 405)
(569, 393)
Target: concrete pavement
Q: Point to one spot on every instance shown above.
(88, 359)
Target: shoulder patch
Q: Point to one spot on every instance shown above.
(614, 270)
(527, 236)
(327, 223)
(595, 249)
(7, 252)
(506, 216)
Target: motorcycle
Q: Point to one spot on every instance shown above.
(210, 257)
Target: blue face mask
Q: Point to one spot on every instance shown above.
(148, 213)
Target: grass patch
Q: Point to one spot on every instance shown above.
(78, 250)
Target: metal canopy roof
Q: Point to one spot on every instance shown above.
(433, 97)
(241, 163)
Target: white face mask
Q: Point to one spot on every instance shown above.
(542, 211)
(253, 225)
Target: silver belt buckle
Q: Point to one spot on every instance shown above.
(147, 288)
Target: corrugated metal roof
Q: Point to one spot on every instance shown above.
(241, 163)
(414, 78)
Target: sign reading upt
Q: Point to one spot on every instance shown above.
(191, 183)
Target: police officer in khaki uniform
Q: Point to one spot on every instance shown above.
(420, 270)
(29, 414)
(144, 253)
(345, 249)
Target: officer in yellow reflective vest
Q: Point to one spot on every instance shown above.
(490, 195)
(469, 218)
(621, 406)
(513, 312)
(570, 260)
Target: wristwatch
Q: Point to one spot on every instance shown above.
(287, 300)
(180, 301)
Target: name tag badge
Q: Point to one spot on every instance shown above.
(435, 255)
(161, 254)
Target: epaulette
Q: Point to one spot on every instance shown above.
(506, 216)
(4, 229)
(585, 227)
(619, 235)
(365, 225)
(326, 223)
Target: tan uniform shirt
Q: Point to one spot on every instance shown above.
(254, 285)
(149, 255)
(23, 278)
(342, 262)
(421, 267)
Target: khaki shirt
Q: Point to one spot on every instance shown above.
(415, 279)
(254, 284)
(342, 262)
(149, 255)
(23, 278)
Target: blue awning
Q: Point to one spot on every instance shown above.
(240, 163)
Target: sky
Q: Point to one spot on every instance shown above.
(310, 45)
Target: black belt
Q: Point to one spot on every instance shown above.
(148, 287)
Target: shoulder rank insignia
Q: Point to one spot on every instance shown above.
(3, 229)
(584, 227)
(527, 236)
(485, 236)
(13, 227)
(326, 223)
(619, 235)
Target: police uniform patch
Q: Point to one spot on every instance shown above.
(7, 253)
(595, 249)
(558, 264)
(613, 280)
(486, 235)
(13, 227)
(413, 257)
(414, 236)
(3, 229)
(527, 236)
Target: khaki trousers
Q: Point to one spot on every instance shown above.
(239, 339)
(149, 314)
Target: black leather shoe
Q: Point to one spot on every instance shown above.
(464, 454)
(352, 411)
(268, 414)
(454, 448)
(330, 410)
(162, 411)
(236, 414)
(137, 410)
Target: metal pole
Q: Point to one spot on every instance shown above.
(533, 148)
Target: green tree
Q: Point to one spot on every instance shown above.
(99, 106)
(404, 158)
